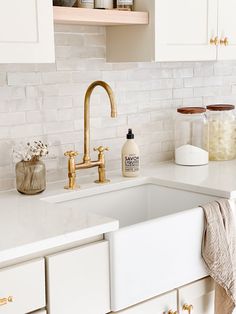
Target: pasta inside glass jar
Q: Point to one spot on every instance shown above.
(222, 132)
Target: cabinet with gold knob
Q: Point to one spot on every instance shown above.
(178, 31)
(22, 288)
(197, 297)
(227, 30)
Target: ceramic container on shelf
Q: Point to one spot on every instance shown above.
(222, 132)
(103, 4)
(30, 177)
(85, 4)
(64, 3)
(127, 5)
(191, 137)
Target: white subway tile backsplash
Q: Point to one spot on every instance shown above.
(56, 77)
(3, 78)
(25, 130)
(45, 101)
(213, 91)
(183, 72)
(23, 79)
(7, 92)
(182, 93)
(12, 118)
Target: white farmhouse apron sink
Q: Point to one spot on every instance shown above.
(158, 245)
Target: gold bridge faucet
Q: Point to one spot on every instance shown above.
(87, 162)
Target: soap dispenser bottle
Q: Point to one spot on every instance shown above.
(130, 157)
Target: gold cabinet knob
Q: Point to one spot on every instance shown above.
(101, 149)
(5, 301)
(187, 307)
(214, 41)
(71, 154)
(172, 312)
(224, 41)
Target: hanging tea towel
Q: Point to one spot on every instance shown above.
(219, 253)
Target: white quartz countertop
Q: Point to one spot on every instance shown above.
(217, 178)
(31, 224)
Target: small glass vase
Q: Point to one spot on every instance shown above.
(30, 177)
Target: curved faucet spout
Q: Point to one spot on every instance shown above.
(88, 94)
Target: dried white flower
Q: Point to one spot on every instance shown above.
(28, 152)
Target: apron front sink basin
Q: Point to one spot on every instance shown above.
(158, 245)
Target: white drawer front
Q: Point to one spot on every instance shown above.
(78, 280)
(158, 305)
(39, 312)
(25, 283)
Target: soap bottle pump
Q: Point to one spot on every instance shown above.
(130, 157)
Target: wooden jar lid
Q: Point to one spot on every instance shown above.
(191, 110)
(220, 107)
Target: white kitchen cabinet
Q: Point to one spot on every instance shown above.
(227, 30)
(178, 30)
(22, 288)
(159, 305)
(40, 312)
(200, 295)
(26, 31)
(78, 280)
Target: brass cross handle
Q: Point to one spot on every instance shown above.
(172, 312)
(224, 41)
(214, 41)
(4, 301)
(101, 149)
(71, 154)
(187, 307)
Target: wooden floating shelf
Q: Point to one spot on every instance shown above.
(66, 15)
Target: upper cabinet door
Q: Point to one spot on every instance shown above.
(26, 31)
(178, 30)
(184, 29)
(227, 30)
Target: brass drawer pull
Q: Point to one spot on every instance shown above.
(188, 308)
(214, 41)
(172, 312)
(224, 41)
(5, 301)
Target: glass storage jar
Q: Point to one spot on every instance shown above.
(191, 136)
(30, 177)
(222, 132)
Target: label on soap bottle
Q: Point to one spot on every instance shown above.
(131, 163)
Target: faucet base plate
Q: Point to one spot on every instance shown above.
(77, 187)
(104, 182)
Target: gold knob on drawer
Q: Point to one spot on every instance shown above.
(214, 41)
(188, 308)
(4, 301)
(224, 41)
(172, 312)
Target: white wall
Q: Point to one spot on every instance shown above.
(46, 101)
